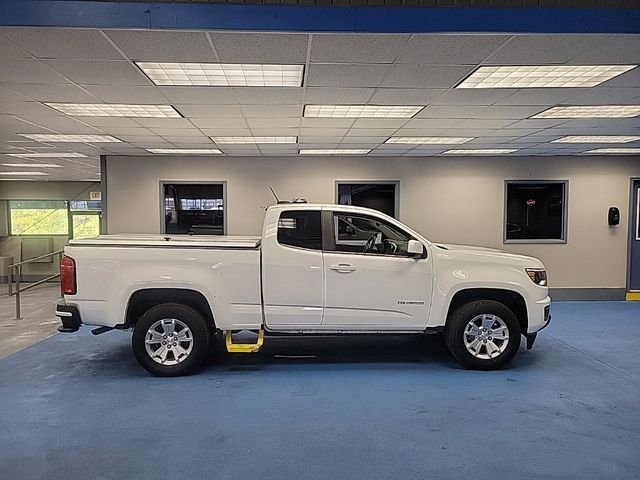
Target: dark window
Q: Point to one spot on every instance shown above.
(352, 232)
(377, 196)
(535, 211)
(194, 208)
(300, 228)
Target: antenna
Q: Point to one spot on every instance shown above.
(274, 194)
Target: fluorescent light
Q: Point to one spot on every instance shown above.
(596, 139)
(429, 140)
(115, 110)
(53, 137)
(361, 111)
(619, 151)
(32, 165)
(253, 140)
(542, 76)
(223, 74)
(47, 155)
(591, 111)
(334, 151)
(481, 151)
(185, 151)
(23, 173)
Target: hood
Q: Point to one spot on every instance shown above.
(469, 252)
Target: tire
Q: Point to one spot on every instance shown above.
(482, 353)
(186, 338)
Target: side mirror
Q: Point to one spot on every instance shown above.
(415, 249)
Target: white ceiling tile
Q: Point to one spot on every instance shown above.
(438, 111)
(311, 122)
(105, 123)
(268, 95)
(337, 95)
(210, 111)
(473, 96)
(405, 96)
(83, 44)
(273, 122)
(539, 96)
(90, 72)
(424, 76)
(507, 111)
(273, 111)
(606, 96)
(163, 46)
(226, 132)
(9, 95)
(273, 132)
(484, 123)
(538, 123)
(420, 132)
(364, 140)
(55, 93)
(370, 132)
(22, 71)
(128, 131)
(379, 122)
(186, 141)
(543, 49)
(164, 122)
(449, 49)
(24, 108)
(433, 123)
(324, 132)
(131, 94)
(8, 49)
(361, 75)
(181, 132)
(617, 49)
(219, 122)
(200, 95)
(356, 48)
(60, 123)
(245, 47)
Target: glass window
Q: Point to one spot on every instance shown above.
(194, 208)
(300, 228)
(40, 217)
(85, 205)
(363, 234)
(85, 225)
(379, 196)
(535, 211)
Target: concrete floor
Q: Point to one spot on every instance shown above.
(38, 322)
(77, 407)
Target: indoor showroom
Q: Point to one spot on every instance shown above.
(328, 239)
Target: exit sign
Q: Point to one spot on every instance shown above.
(95, 195)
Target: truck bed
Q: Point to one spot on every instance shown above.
(181, 241)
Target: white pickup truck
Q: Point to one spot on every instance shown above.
(316, 269)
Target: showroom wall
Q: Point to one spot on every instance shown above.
(447, 199)
(12, 190)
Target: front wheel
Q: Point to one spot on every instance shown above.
(170, 340)
(483, 335)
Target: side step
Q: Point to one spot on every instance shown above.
(243, 347)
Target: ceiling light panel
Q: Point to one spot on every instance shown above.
(334, 151)
(591, 111)
(429, 140)
(115, 110)
(482, 151)
(253, 140)
(47, 155)
(596, 139)
(32, 165)
(616, 151)
(361, 111)
(185, 151)
(223, 74)
(52, 137)
(543, 76)
(23, 173)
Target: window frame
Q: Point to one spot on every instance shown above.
(225, 199)
(30, 235)
(330, 245)
(395, 183)
(565, 212)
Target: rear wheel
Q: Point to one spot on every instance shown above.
(171, 340)
(483, 335)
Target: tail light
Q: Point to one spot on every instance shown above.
(68, 275)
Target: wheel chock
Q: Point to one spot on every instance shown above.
(244, 347)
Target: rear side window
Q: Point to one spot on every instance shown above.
(300, 228)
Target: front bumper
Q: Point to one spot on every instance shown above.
(546, 319)
(69, 315)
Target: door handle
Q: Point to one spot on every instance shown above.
(343, 268)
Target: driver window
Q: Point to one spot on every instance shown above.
(362, 234)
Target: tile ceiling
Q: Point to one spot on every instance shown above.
(54, 65)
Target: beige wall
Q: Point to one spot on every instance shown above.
(454, 200)
(10, 246)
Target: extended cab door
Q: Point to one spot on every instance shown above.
(373, 283)
(292, 269)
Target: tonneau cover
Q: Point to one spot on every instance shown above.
(176, 241)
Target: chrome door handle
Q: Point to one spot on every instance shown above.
(343, 268)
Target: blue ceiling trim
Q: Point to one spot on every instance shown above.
(57, 13)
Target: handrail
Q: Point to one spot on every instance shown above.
(15, 276)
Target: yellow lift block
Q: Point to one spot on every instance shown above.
(243, 347)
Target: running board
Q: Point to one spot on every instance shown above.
(243, 347)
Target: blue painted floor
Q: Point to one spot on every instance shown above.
(79, 407)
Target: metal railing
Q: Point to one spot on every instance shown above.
(15, 278)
